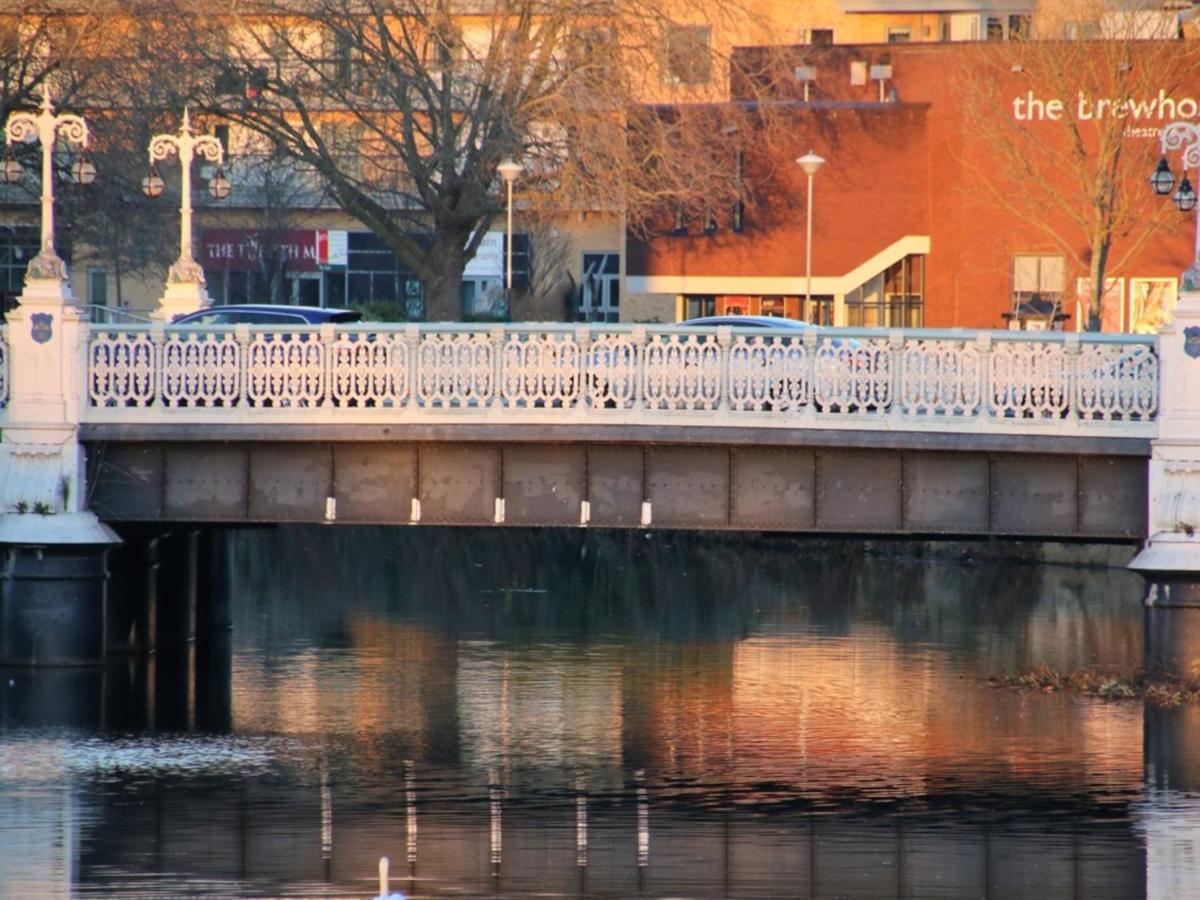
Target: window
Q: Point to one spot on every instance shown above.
(687, 58)
(698, 306)
(821, 37)
(600, 290)
(1018, 27)
(710, 221)
(995, 29)
(1082, 31)
(738, 217)
(18, 245)
(1038, 278)
(679, 224)
(899, 34)
(98, 294)
(895, 298)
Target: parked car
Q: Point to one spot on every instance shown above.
(267, 314)
(748, 322)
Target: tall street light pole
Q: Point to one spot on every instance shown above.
(509, 170)
(1183, 136)
(185, 279)
(46, 128)
(809, 164)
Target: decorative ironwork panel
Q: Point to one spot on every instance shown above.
(200, 370)
(285, 369)
(1117, 381)
(682, 372)
(853, 375)
(456, 370)
(122, 369)
(1029, 380)
(613, 368)
(368, 370)
(940, 378)
(541, 370)
(769, 374)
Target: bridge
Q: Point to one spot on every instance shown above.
(915, 432)
(867, 431)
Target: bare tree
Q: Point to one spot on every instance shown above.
(405, 108)
(1070, 154)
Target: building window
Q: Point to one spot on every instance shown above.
(821, 37)
(1018, 27)
(710, 221)
(895, 298)
(687, 56)
(98, 294)
(995, 28)
(18, 245)
(600, 291)
(899, 34)
(699, 305)
(679, 224)
(1038, 280)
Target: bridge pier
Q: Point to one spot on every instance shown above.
(53, 573)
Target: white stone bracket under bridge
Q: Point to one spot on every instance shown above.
(864, 431)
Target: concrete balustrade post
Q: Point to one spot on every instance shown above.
(52, 549)
(1170, 559)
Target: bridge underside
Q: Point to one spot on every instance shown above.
(811, 484)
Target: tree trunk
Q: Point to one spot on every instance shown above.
(1096, 272)
(443, 301)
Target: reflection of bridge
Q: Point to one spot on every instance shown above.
(867, 431)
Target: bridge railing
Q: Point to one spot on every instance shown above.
(954, 380)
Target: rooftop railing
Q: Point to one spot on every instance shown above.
(946, 380)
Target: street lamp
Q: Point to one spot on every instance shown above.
(187, 146)
(46, 128)
(1183, 136)
(509, 170)
(809, 163)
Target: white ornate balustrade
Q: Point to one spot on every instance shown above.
(958, 381)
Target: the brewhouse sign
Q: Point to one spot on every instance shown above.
(1154, 110)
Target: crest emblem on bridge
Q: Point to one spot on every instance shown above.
(41, 331)
(1191, 341)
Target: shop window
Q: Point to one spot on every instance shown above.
(697, 306)
(899, 34)
(600, 291)
(895, 298)
(817, 310)
(688, 59)
(774, 306)
(1018, 27)
(995, 28)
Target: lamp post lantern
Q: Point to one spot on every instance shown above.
(1183, 137)
(809, 164)
(509, 170)
(185, 278)
(46, 128)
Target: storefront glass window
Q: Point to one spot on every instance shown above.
(895, 298)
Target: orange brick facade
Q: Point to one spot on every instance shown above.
(902, 178)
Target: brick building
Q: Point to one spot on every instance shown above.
(921, 216)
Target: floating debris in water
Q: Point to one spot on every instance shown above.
(1161, 690)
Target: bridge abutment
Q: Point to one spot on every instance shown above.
(53, 575)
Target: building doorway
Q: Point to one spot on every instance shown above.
(307, 289)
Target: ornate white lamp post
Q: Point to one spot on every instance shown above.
(185, 279)
(1183, 136)
(47, 128)
(509, 170)
(809, 164)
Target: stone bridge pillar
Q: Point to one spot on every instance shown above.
(1170, 560)
(52, 549)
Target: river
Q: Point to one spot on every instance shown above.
(518, 713)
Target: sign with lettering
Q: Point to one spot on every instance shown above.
(488, 261)
(240, 249)
(1145, 116)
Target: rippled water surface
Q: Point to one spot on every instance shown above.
(519, 714)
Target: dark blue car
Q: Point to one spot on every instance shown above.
(267, 314)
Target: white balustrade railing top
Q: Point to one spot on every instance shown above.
(949, 380)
